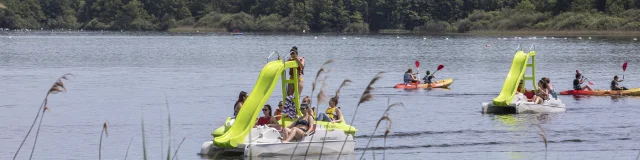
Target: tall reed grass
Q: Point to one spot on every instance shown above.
(126, 154)
(104, 131)
(385, 117)
(543, 135)
(144, 144)
(57, 87)
(344, 83)
(321, 98)
(365, 97)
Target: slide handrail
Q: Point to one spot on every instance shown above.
(276, 52)
(532, 48)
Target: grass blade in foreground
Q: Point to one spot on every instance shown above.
(37, 132)
(366, 96)
(176, 153)
(543, 135)
(385, 114)
(169, 117)
(144, 145)
(129, 146)
(29, 132)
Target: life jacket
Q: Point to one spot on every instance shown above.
(278, 114)
(407, 78)
(331, 112)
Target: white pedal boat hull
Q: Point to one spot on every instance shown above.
(264, 142)
(549, 106)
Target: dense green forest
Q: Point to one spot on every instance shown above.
(323, 15)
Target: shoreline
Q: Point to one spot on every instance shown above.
(613, 33)
(494, 33)
(572, 33)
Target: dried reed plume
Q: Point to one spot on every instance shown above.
(344, 84)
(104, 132)
(57, 87)
(366, 96)
(322, 96)
(2, 6)
(320, 71)
(543, 135)
(385, 114)
(386, 133)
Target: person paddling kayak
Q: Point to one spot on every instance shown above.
(578, 82)
(614, 84)
(409, 77)
(427, 79)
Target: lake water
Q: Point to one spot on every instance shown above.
(122, 77)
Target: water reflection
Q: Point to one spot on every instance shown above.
(513, 121)
(241, 157)
(615, 98)
(520, 125)
(578, 97)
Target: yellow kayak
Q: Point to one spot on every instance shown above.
(445, 83)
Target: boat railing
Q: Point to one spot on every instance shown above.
(532, 48)
(274, 52)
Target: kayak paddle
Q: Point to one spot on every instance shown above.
(624, 69)
(440, 67)
(590, 83)
(417, 63)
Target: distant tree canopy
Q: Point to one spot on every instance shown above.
(323, 15)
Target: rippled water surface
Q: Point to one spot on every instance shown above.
(121, 78)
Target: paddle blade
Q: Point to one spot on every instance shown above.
(591, 83)
(624, 66)
(440, 67)
(417, 64)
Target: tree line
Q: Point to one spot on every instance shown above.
(323, 15)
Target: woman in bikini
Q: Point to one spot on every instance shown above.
(300, 60)
(543, 92)
(301, 127)
(241, 98)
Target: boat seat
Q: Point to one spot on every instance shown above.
(529, 94)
